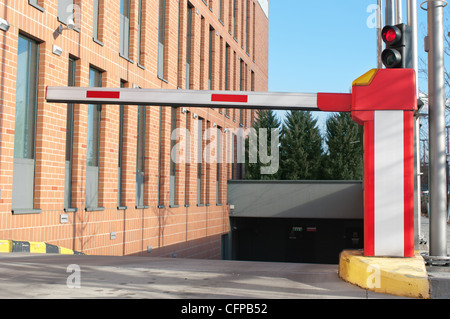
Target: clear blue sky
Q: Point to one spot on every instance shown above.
(322, 46)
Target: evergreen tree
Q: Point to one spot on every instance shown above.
(265, 119)
(301, 147)
(344, 160)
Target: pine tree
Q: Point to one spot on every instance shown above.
(265, 119)
(301, 147)
(344, 160)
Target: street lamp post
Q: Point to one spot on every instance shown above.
(437, 154)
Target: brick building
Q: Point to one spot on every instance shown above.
(100, 179)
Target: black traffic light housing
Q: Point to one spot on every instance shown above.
(398, 46)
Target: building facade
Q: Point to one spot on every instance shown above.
(123, 180)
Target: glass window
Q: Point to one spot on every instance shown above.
(124, 28)
(188, 47)
(96, 22)
(93, 144)
(212, 36)
(219, 167)
(161, 38)
(25, 123)
(227, 72)
(235, 8)
(140, 162)
(221, 10)
(120, 161)
(69, 141)
(37, 4)
(140, 46)
(173, 161)
(199, 159)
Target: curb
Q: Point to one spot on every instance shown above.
(405, 277)
(32, 247)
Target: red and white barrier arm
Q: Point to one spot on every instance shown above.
(228, 99)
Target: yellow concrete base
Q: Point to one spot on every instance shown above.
(406, 277)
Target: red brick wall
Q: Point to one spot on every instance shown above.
(188, 231)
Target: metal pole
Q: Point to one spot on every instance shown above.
(389, 13)
(398, 11)
(412, 22)
(436, 95)
(379, 37)
(411, 13)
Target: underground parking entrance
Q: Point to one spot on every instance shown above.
(294, 221)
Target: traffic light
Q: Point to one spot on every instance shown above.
(398, 46)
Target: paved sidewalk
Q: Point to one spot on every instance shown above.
(439, 276)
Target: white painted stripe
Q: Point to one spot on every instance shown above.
(128, 96)
(389, 181)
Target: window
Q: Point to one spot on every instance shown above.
(187, 160)
(235, 20)
(203, 57)
(221, 11)
(219, 167)
(98, 6)
(199, 160)
(242, 23)
(252, 79)
(253, 31)
(161, 38)
(140, 162)
(124, 28)
(189, 47)
(120, 161)
(93, 145)
(211, 69)
(247, 26)
(25, 125)
(173, 161)
(221, 64)
(179, 55)
(69, 141)
(241, 87)
(141, 38)
(66, 9)
(160, 201)
(227, 71)
(37, 4)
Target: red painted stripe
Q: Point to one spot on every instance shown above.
(369, 188)
(408, 145)
(103, 95)
(334, 102)
(229, 98)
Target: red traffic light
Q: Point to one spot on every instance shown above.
(391, 34)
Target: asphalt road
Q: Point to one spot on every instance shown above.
(69, 276)
(30, 276)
